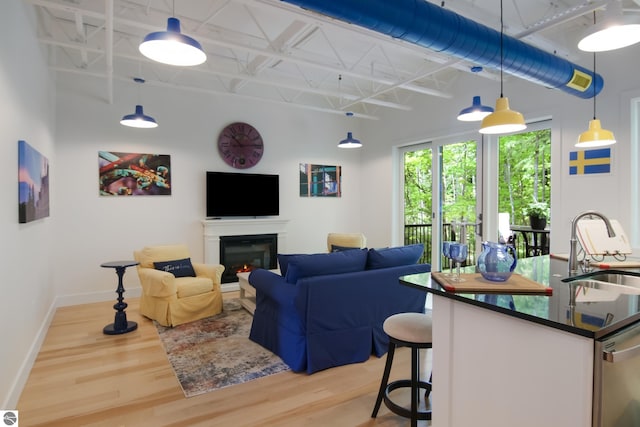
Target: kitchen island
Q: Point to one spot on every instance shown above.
(520, 360)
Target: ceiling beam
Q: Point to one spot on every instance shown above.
(253, 79)
(157, 83)
(108, 43)
(118, 21)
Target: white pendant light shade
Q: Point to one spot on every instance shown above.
(476, 112)
(172, 47)
(595, 136)
(615, 31)
(349, 142)
(502, 120)
(611, 38)
(139, 119)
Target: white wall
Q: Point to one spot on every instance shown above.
(608, 193)
(94, 229)
(26, 113)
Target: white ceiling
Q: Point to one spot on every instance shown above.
(279, 53)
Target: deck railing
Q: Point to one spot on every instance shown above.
(421, 233)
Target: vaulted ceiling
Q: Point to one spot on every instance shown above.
(279, 53)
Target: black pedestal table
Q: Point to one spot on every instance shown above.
(120, 324)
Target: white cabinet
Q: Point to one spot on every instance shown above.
(490, 369)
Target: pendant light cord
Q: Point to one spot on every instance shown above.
(501, 49)
(594, 73)
(139, 81)
(340, 90)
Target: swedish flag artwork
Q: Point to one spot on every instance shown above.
(588, 162)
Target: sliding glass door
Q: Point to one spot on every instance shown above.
(458, 188)
(524, 181)
(441, 194)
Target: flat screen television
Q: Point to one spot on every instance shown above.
(232, 194)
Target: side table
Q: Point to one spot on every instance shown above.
(247, 292)
(120, 324)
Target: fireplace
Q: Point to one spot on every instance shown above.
(246, 253)
(215, 229)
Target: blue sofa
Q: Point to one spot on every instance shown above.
(327, 310)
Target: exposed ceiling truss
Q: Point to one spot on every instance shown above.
(272, 51)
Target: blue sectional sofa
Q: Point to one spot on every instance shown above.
(327, 310)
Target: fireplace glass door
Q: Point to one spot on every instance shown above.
(246, 253)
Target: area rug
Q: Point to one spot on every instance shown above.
(216, 352)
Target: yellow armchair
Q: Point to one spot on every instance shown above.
(172, 300)
(350, 240)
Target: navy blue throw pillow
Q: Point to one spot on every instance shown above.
(178, 267)
(338, 248)
(394, 257)
(302, 266)
(283, 262)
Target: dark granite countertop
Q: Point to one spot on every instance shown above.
(596, 313)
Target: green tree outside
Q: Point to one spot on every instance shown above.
(524, 178)
(458, 184)
(525, 173)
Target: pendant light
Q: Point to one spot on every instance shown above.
(349, 141)
(503, 119)
(595, 136)
(139, 119)
(476, 112)
(615, 31)
(172, 47)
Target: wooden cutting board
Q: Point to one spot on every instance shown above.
(475, 284)
(629, 263)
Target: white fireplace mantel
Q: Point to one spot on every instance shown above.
(215, 228)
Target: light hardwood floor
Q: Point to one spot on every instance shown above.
(84, 378)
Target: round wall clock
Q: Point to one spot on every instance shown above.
(240, 145)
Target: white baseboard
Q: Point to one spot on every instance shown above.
(11, 401)
(88, 298)
(22, 376)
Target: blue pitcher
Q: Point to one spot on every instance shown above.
(495, 263)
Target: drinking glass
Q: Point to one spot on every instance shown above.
(458, 253)
(446, 252)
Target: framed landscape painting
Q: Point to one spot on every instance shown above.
(33, 184)
(134, 174)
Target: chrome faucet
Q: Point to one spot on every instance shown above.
(573, 253)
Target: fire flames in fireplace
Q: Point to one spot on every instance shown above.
(245, 268)
(246, 253)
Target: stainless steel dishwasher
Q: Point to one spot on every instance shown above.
(616, 379)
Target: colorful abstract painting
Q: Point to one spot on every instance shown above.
(320, 180)
(590, 161)
(33, 184)
(134, 174)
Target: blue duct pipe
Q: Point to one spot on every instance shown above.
(441, 30)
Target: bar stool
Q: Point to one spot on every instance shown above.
(406, 330)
